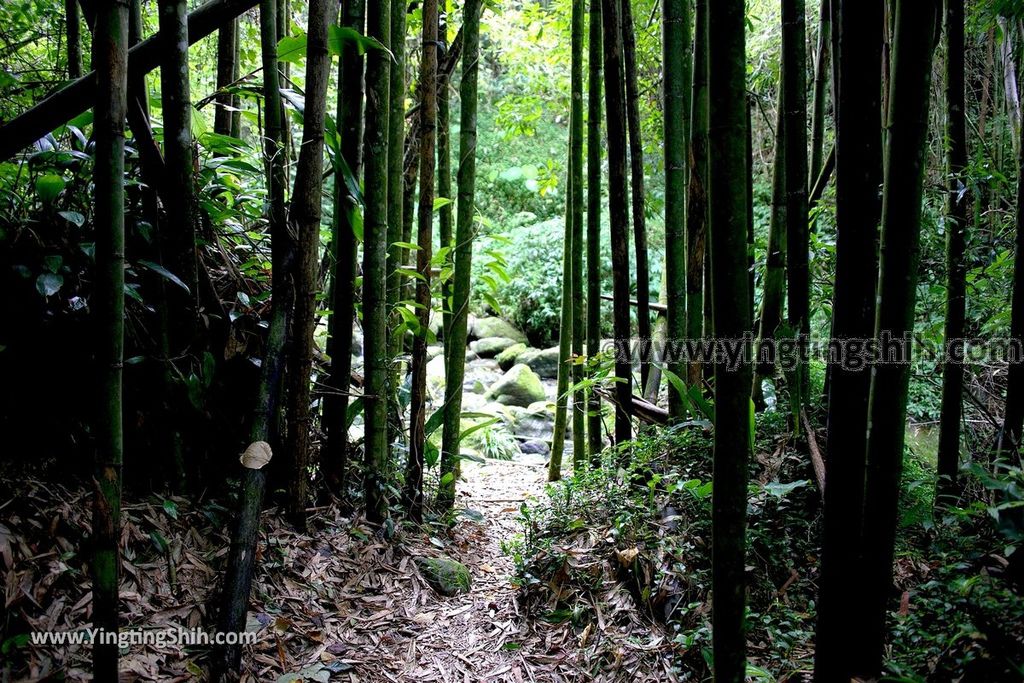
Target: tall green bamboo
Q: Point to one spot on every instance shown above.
(678, 65)
(618, 215)
(110, 57)
(465, 218)
(73, 28)
(794, 66)
(396, 164)
(909, 95)
(305, 218)
(569, 333)
(858, 176)
(957, 214)
(595, 425)
(425, 234)
(579, 442)
(181, 213)
(728, 221)
(636, 175)
(1010, 434)
(821, 70)
(242, 555)
(345, 254)
(224, 117)
(445, 216)
(564, 333)
(773, 295)
(375, 247)
(696, 202)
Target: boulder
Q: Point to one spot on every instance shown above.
(433, 351)
(535, 447)
(495, 327)
(357, 340)
(507, 358)
(435, 378)
(489, 347)
(520, 386)
(535, 423)
(445, 575)
(543, 362)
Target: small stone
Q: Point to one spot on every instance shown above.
(445, 575)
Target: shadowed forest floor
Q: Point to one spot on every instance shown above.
(336, 604)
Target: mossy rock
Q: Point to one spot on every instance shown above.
(507, 358)
(445, 575)
(520, 386)
(495, 327)
(544, 362)
(489, 347)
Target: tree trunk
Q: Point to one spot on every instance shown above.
(227, 73)
(444, 180)
(618, 215)
(595, 425)
(564, 330)
(773, 294)
(728, 220)
(398, 213)
(579, 442)
(659, 339)
(916, 24)
(425, 233)
(697, 206)
(450, 437)
(1010, 80)
(305, 221)
(676, 54)
(957, 212)
(858, 175)
(241, 560)
(794, 68)
(375, 246)
(572, 264)
(820, 80)
(73, 20)
(636, 160)
(1013, 419)
(343, 243)
(110, 55)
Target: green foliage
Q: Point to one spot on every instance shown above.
(661, 507)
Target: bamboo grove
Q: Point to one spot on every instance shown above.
(367, 245)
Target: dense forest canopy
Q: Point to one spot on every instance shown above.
(512, 340)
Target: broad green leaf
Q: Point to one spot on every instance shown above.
(339, 35)
(72, 217)
(781, 490)
(292, 48)
(48, 186)
(160, 270)
(49, 284)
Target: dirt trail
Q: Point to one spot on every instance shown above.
(378, 620)
(336, 603)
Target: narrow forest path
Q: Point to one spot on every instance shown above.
(337, 602)
(362, 611)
